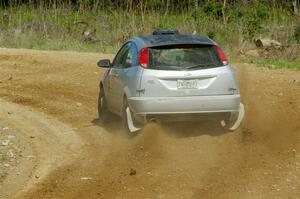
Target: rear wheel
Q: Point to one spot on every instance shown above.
(103, 112)
(129, 123)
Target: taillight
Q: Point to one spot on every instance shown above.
(144, 57)
(221, 55)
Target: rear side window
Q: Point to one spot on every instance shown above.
(185, 57)
(126, 57)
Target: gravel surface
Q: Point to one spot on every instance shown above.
(10, 151)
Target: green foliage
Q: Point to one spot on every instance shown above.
(262, 11)
(213, 9)
(85, 2)
(297, 33)
(211, 34)
(251, 28)
(196, 14)
(163, 25)
(235, 14)
(61, 29)
(253, 20)
(154, 4)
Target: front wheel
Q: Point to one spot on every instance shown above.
(128, 121)
(103, 112)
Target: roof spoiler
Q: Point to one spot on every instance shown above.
(166, 32)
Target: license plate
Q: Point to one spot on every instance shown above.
(187, 84)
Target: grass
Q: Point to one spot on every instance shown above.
(61, 29)
(279, 64)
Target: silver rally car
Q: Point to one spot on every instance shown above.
(169, 76)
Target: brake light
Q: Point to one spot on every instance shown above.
(221, 55)
(144, 57)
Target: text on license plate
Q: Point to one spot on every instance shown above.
(187, 84)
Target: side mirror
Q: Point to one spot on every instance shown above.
(104, 63)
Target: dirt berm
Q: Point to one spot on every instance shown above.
(53, 95)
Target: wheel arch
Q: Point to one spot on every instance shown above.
(101, 85)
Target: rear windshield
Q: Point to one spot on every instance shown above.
(186, 57)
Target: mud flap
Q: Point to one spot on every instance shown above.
(239, 118)
(130, 123)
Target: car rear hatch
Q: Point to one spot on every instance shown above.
(185, 70)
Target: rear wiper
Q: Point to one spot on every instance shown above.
(201, 65)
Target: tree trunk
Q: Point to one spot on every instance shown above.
(295, 7)
(223, 13)
(196, 4)
(167, 8)
(254, 7)
(267, 43)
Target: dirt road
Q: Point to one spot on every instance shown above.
(50, 100)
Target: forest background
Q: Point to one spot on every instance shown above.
(103, 25)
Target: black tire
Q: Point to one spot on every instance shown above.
(103, 113)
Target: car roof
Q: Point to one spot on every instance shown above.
(170, 39)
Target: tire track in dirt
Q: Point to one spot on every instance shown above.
(52, 144)
(260, 160)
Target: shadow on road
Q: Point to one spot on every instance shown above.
(193, 129)
(112, 124)
(175, 129)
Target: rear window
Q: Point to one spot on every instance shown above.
(185, 57)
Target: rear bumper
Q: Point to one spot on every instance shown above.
(142, 106)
